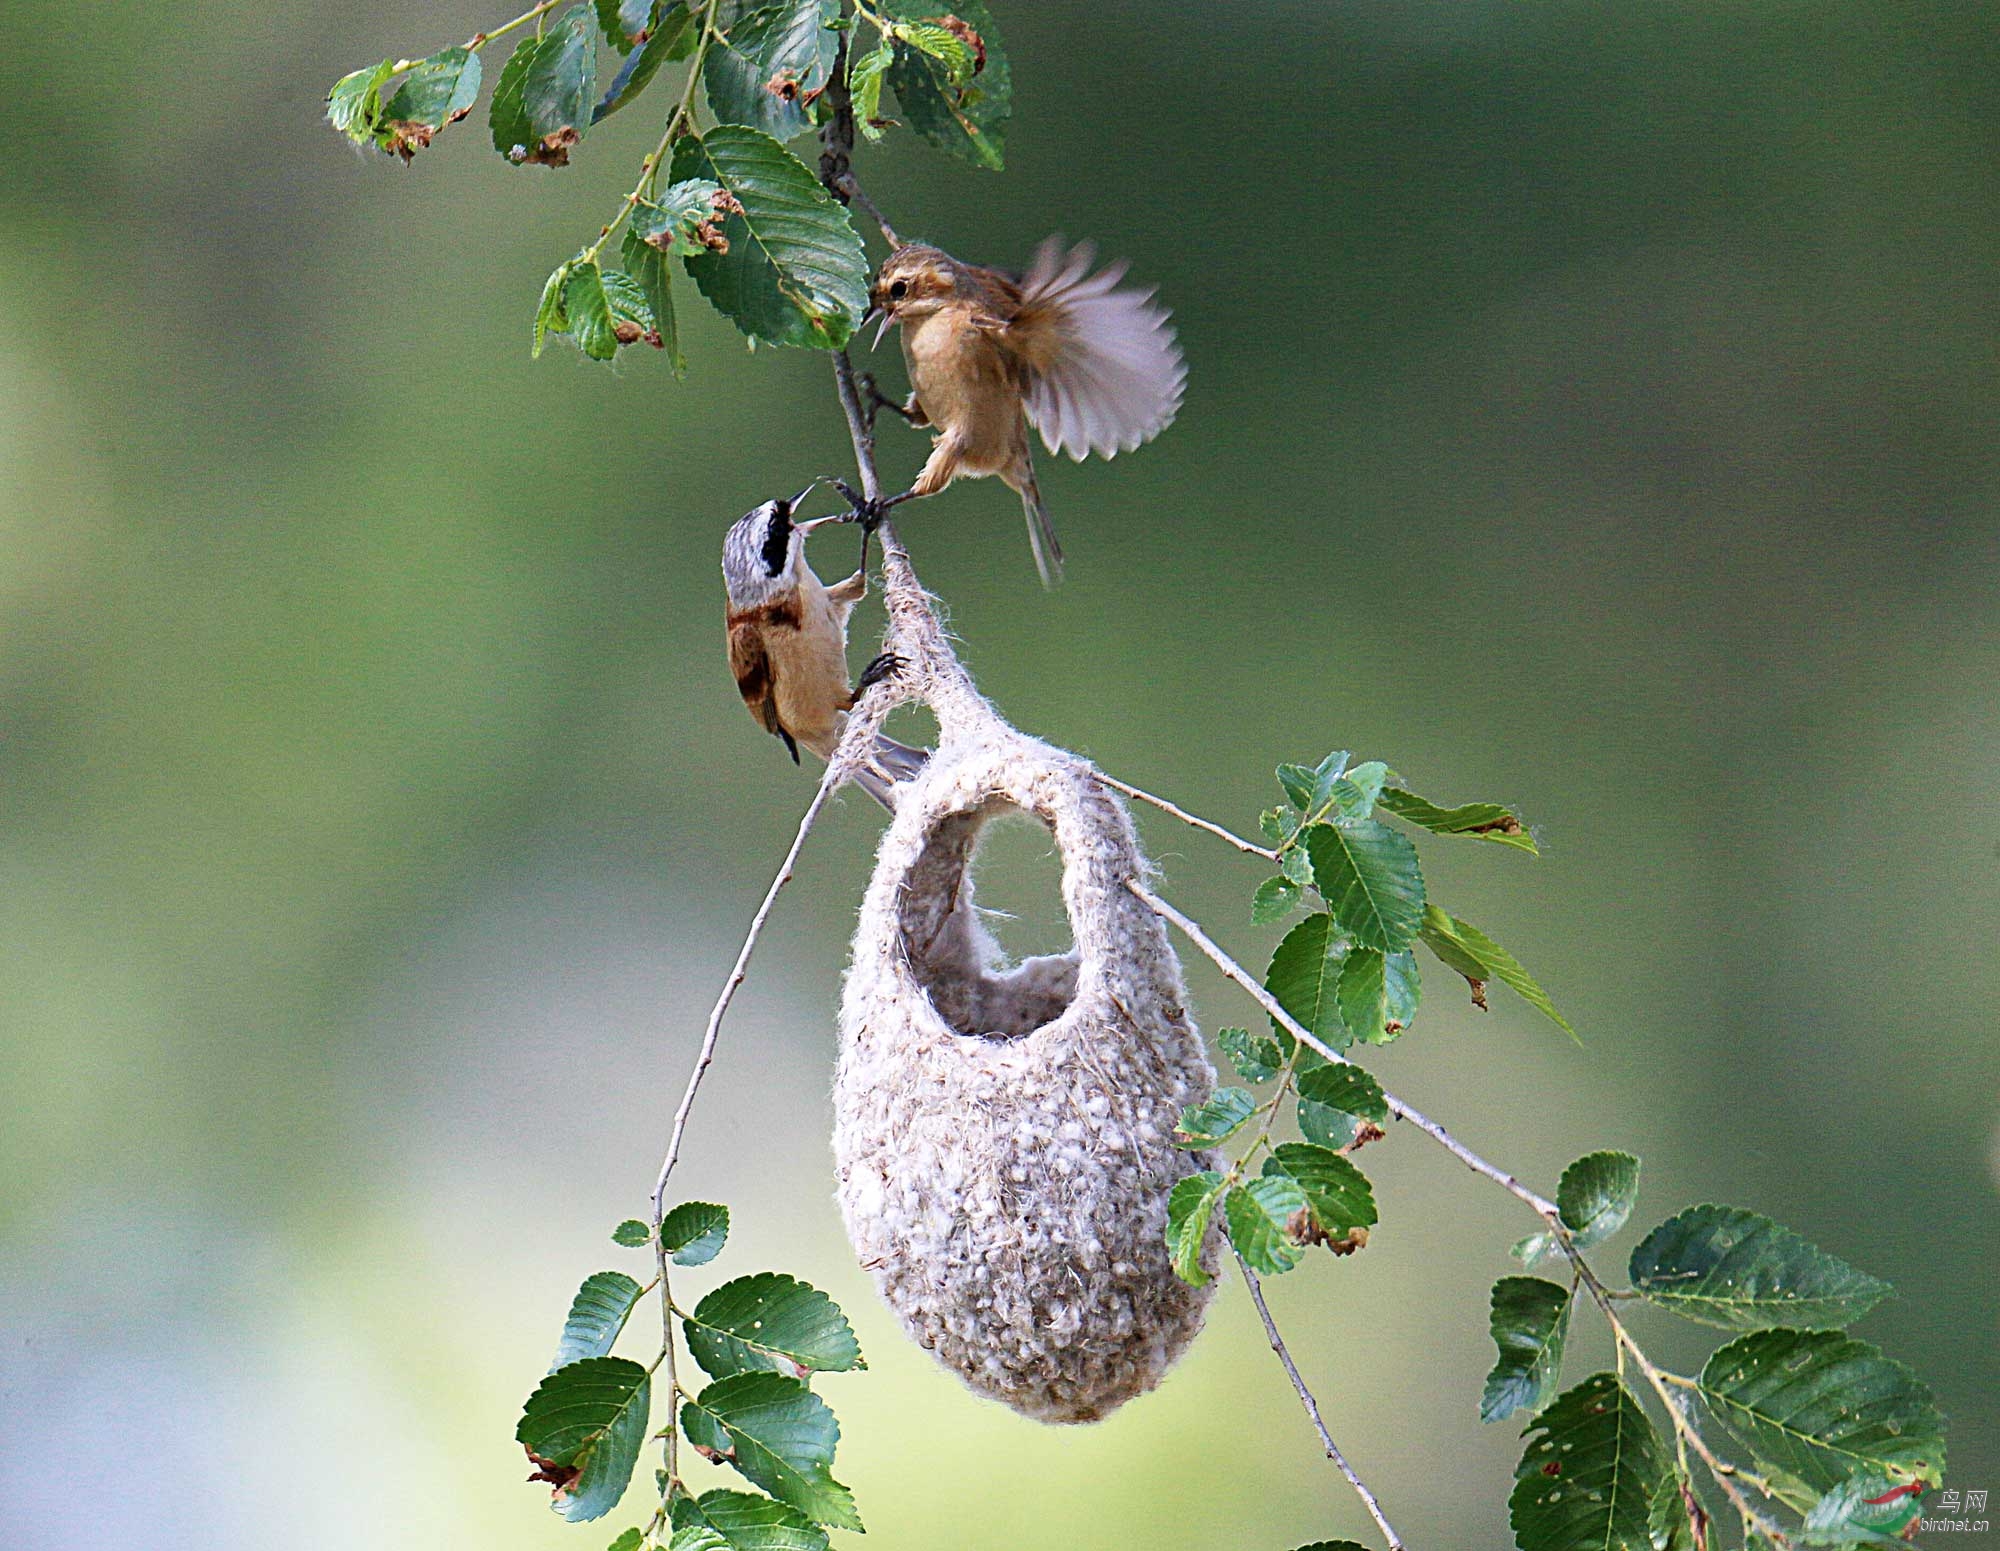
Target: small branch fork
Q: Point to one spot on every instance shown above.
(1663, 1383)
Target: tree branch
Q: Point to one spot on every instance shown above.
(1187, 818)
(1305, 1036)
(1724, 1474)
(1312, 1408)
(829, 781)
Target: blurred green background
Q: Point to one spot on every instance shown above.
(1592, 407)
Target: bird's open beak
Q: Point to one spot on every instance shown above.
(794, 503)
(805, 528)
(887, 317)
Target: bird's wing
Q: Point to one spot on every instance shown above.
(756, 679)
(1104, 370)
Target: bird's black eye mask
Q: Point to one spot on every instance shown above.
(777, 540)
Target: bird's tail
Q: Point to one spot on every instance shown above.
(1041, 532)
(889, 763)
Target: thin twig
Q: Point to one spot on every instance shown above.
(851, 186)
(1186, 817)
(1305, 1036)
(1312, 1408)
(827, 785)
(481, 39)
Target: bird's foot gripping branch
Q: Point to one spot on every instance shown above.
(1792, 1433)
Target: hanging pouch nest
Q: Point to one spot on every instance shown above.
(1004, 1134)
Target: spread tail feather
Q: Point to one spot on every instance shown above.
(1041, 533)
(889, 763)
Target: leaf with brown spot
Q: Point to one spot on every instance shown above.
(965, 33)
(561, 1477)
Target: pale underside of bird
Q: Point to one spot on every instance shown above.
(1093, 366)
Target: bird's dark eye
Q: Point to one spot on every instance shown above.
(898, 291)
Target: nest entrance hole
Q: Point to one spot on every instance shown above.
(1005, 966)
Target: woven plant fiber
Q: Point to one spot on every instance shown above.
(1003, 1132)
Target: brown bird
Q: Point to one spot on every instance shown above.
(788, 643)
(1092, 367)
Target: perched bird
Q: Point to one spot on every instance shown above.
(788, 642)
(1092, 367)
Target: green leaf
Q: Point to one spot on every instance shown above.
(1667, 1520)
(1480, 820)
(1315, 786)
(1258, 1215)
(1817, 1407)
(1278, 825)
(1865, 1509)
(1334, 1100)
(588, 309)
(771, 58)
(552, 316)
(589, 1416)
(438, 91)
(1596, 1195)
(864, 81)
(778, 1434)
(749, 1521)
(694, 1232)
(771, 1321)
(1216, 1119)
(697, 1537)
(683, 219)
(671, 39)
(1721, 1265)
(624, 22)
(968, 120)
(1530, 1322)
(1305, 969)
(1535, 1247)
(1333, 1545)
(631, 309)
(631, 1233)
(1377, 993)
(542, 103)
(943, 45)
(1347, 1088)
(1473, 954)
(1275, 899)
(1325, 1126)
(629, 1540)
(602, 1305)
(354, 106)
(1189, 1206)
(1256, 1057)
(1337, 1193)
(1351, 796)
(795, 273)
(1299, 782)
(1587, 1478)
(1369, 877)
(1441, 937)
(648, 269)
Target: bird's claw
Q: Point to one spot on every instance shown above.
(886, 666)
